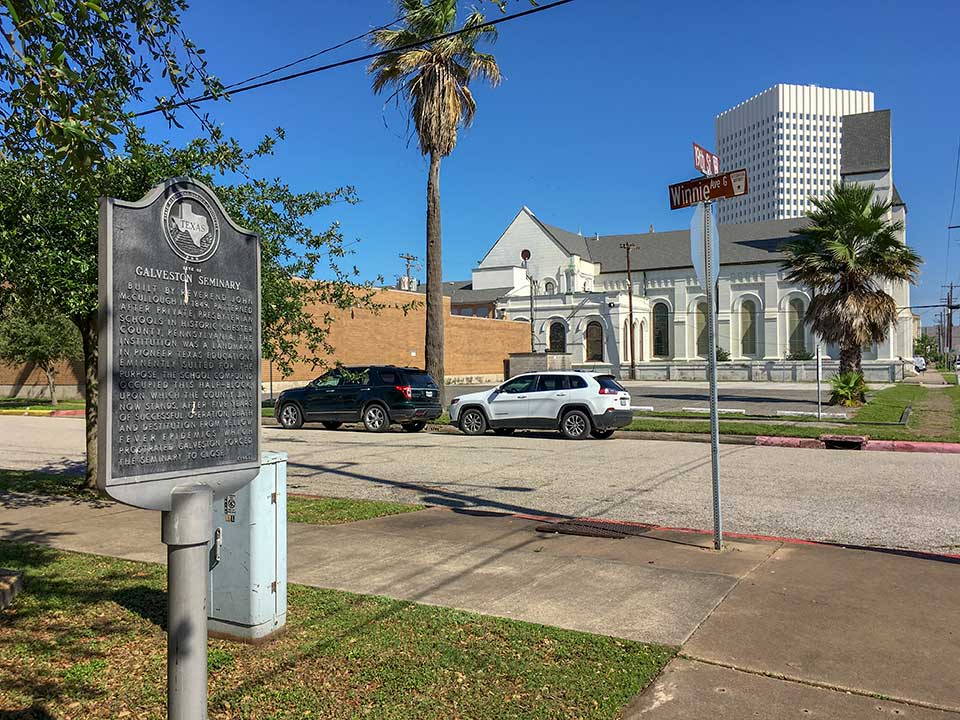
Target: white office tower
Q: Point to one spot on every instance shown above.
(788, 138)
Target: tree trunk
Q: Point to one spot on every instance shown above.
(849, 357)
(51, 384)
(434, 335)
(91, 392)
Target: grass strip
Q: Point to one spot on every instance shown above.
(334, 511)
(312, 510)
(86, 639)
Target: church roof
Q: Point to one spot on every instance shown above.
(742, 243)
(866, 143)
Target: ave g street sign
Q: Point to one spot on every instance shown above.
(179, 324)
(705, 189)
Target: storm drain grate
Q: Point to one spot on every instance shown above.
(594, 528)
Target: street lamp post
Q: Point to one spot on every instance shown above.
(525, 257)
(633, 360)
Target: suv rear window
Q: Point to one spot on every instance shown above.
(608, 382)
(419, 379)
(553, 382)
(576, 382)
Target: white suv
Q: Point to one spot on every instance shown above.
(578, 404)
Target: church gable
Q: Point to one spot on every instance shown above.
(525, 233)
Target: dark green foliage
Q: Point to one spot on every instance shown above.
(850, 250)
(848, 389)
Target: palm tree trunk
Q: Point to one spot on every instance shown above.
(91, 393)
(850, 355)
(434, 340)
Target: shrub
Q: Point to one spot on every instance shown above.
(848, 389)
(800, 355)
(722, 355)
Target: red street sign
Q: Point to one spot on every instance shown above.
(705, 161)
(698, 190)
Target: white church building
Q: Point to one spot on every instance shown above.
(581, 296)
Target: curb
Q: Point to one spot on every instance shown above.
(11, 583)
(920, 554)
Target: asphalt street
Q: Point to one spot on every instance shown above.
(878, 498)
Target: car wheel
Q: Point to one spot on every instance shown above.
(575, 425)
(375, 418)
(413, 426)
(601, 434)
(473, 422)
(331, 424)
(503, 431)
(290, 417)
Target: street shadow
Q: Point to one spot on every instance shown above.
(429, 494)
(145, 601)
(34, 712)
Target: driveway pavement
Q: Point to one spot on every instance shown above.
(885, 499)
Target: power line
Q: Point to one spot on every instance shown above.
(330, 49)
(357, 59)
(953, 205)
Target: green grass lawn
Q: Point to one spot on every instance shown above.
(85, 639)
(334, 511)
(25, 404)
(884, 406)
(316, 511)
(950, 377)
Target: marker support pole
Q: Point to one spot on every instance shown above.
(708, 250)
(186, 529)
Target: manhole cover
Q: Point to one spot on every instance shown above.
(565, 528)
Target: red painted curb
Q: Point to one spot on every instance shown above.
(912, 446)
(67, 413)
(793, 442)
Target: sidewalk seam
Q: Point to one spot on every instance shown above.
(822, 685)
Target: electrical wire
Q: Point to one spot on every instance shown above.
(357, 59)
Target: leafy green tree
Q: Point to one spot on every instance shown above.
(49, 238)
(431, 81)
(846, 255)
(928, 348)
(39, 337)
(70, 68)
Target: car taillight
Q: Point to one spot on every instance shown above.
(608, 391)
(406, 391)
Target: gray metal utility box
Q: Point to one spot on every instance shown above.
(248, 557)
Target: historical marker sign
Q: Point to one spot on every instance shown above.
(179, 346)
(705, 161)
(698, 190)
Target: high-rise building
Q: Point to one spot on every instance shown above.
(788, 138)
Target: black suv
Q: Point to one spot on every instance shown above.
(376, 395)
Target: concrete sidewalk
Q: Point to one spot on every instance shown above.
(781, 629)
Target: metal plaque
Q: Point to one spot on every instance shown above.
(179, 368)
(698, 190)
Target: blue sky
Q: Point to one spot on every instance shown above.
(600, 102)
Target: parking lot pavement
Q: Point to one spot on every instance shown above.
(885, 499)
(754, 398)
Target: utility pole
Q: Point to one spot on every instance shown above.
(633, 361)
(949, 314)
(525, 256)
(410, 261)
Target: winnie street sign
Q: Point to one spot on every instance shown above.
(707, 189)
(705, 161)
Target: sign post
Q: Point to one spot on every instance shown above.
(706, 261)
(179, 378)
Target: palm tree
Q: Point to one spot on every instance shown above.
(431, 80)
(845, 255)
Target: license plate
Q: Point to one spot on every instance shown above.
(623, 401)
(429, 393)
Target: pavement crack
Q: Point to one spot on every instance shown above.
(873, 694)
